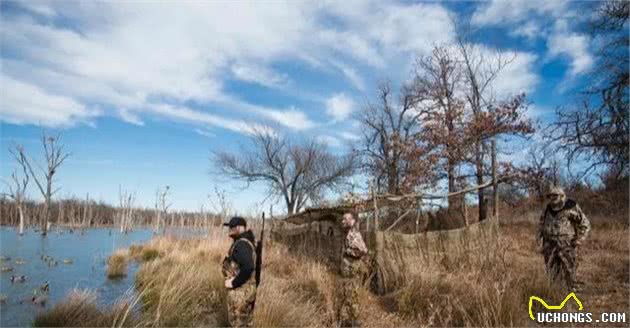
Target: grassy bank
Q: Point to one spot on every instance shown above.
(179, 284)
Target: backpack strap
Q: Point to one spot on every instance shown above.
(248, 243)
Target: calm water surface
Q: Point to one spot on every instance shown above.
(88, 251)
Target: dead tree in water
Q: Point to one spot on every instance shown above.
(161, 206)
(87, 211)
(126, 209)
(55, 156)
(17, 185)
(221, 205)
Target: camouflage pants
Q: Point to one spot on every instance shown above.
(240, 303)
(347, 302)
(560, 260)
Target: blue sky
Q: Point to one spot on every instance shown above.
(144, 92)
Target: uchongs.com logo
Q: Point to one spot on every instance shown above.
(570, 317)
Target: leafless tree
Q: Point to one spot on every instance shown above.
(388, 132)
(295, 172)
(220, 204)
(161, 206)
(18, 183)
(597, 128)
(87, 211)
(55, 156)
(541, 170)
(125, 209)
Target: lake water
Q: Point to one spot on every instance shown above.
(88, 251)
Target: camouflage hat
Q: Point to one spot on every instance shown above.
(554, 190)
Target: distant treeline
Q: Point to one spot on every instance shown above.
(89, 213)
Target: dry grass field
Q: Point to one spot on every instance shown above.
(179, 284)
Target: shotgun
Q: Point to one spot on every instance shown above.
(259, 251)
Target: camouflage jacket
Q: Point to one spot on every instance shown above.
(569, 222)
(229, 268)
(353, 250)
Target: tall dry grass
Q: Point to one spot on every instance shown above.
(79, 309)
(488, 287)
(184, 286)
(181, 285)
(117, 264)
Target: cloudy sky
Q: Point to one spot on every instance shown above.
(143, 92)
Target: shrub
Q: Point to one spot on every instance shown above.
(135, 251)
(117, 264)
(149, 254)
(79, 309)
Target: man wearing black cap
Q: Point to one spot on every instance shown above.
(238, 269)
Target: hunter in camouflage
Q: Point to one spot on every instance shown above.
(351, 272)
(238, 269)
(563, 227)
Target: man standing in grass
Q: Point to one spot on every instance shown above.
(238, 269)
(351, 272)
(563, 227)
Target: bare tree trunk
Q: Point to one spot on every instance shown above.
(157, 221)
(46, 217)
(479, 175)
(495, 187)
(85, 210)
(375, 213)
(465, 210)
(21, 210)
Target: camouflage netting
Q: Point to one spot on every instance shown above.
(319, 240)
(394, 256)
(398, 256)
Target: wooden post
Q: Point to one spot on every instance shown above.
(367, 219)
(495, 184)
(465, 208)
(375, 210)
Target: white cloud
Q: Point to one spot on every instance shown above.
(504, 12)
(573, 45)
(291, 118)
(537, 18)
(130, 117)
(23, 103)
(391, 27)
(39, 7)
(518, 76)
(350, 136)
(517, 72)
(260, 74)
(529, 30)
(351, 74)
(330, 141)
(189, 115)
(339, 106)
(536, 112)
(126, 59)
(205, 133)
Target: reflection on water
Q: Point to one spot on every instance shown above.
(87, 251)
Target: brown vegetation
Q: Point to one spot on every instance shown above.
(79, 309)
(183, 285)
(117, 264)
